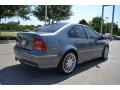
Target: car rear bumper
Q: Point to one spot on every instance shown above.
(46, 61)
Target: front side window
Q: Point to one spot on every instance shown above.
(77, 32)
(91, 33)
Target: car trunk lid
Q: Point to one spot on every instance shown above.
(26, 40)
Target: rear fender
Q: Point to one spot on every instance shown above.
(64, 50)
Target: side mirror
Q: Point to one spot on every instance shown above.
(101, 37)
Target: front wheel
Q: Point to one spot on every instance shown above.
(68, 63)
(105, 53)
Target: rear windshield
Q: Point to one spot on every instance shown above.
(50, 28)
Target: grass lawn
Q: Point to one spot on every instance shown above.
(8, 34)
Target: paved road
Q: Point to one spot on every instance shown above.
(93, 72)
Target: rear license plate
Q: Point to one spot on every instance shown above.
(23, 42)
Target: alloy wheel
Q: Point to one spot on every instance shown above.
(69, 63)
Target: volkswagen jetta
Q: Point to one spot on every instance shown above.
(61, 46)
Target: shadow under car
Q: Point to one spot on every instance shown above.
(21, 75)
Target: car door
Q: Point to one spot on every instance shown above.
(96, 45)
(78, 38)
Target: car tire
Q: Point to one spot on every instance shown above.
(67, 63)
(105, 53)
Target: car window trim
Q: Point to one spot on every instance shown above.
(92, 30)
(83, 29)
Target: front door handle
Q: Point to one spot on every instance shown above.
(76, 42)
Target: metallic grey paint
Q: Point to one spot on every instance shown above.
(58, 43)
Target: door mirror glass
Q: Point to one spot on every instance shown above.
(102, 37)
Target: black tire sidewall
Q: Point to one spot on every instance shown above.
(104, 52)
(60, 66)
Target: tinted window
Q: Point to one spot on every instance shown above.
(50, 28)
(91, 33)
(77, 32)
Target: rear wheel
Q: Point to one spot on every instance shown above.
(68, 63)
(105, 53)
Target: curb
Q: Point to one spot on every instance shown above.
(7, 41)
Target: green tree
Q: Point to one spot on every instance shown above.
(8, 11)
(83, 21)
(96, 23)
(108, 29)
(55, 13)
(118, 33)
(14, 26)
(115, 29)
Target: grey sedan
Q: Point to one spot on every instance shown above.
(61, 46)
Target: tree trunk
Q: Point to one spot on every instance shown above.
(52, 21)
(48, 21)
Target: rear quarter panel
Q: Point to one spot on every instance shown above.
(58, 43)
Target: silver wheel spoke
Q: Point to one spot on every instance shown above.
(69, 63)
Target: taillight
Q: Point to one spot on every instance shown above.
(39, 45)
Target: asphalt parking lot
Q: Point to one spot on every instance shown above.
(95, 72)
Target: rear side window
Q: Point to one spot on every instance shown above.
(50, 28)
(91, 33)
(77, 32)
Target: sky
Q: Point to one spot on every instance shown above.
(86, 12)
